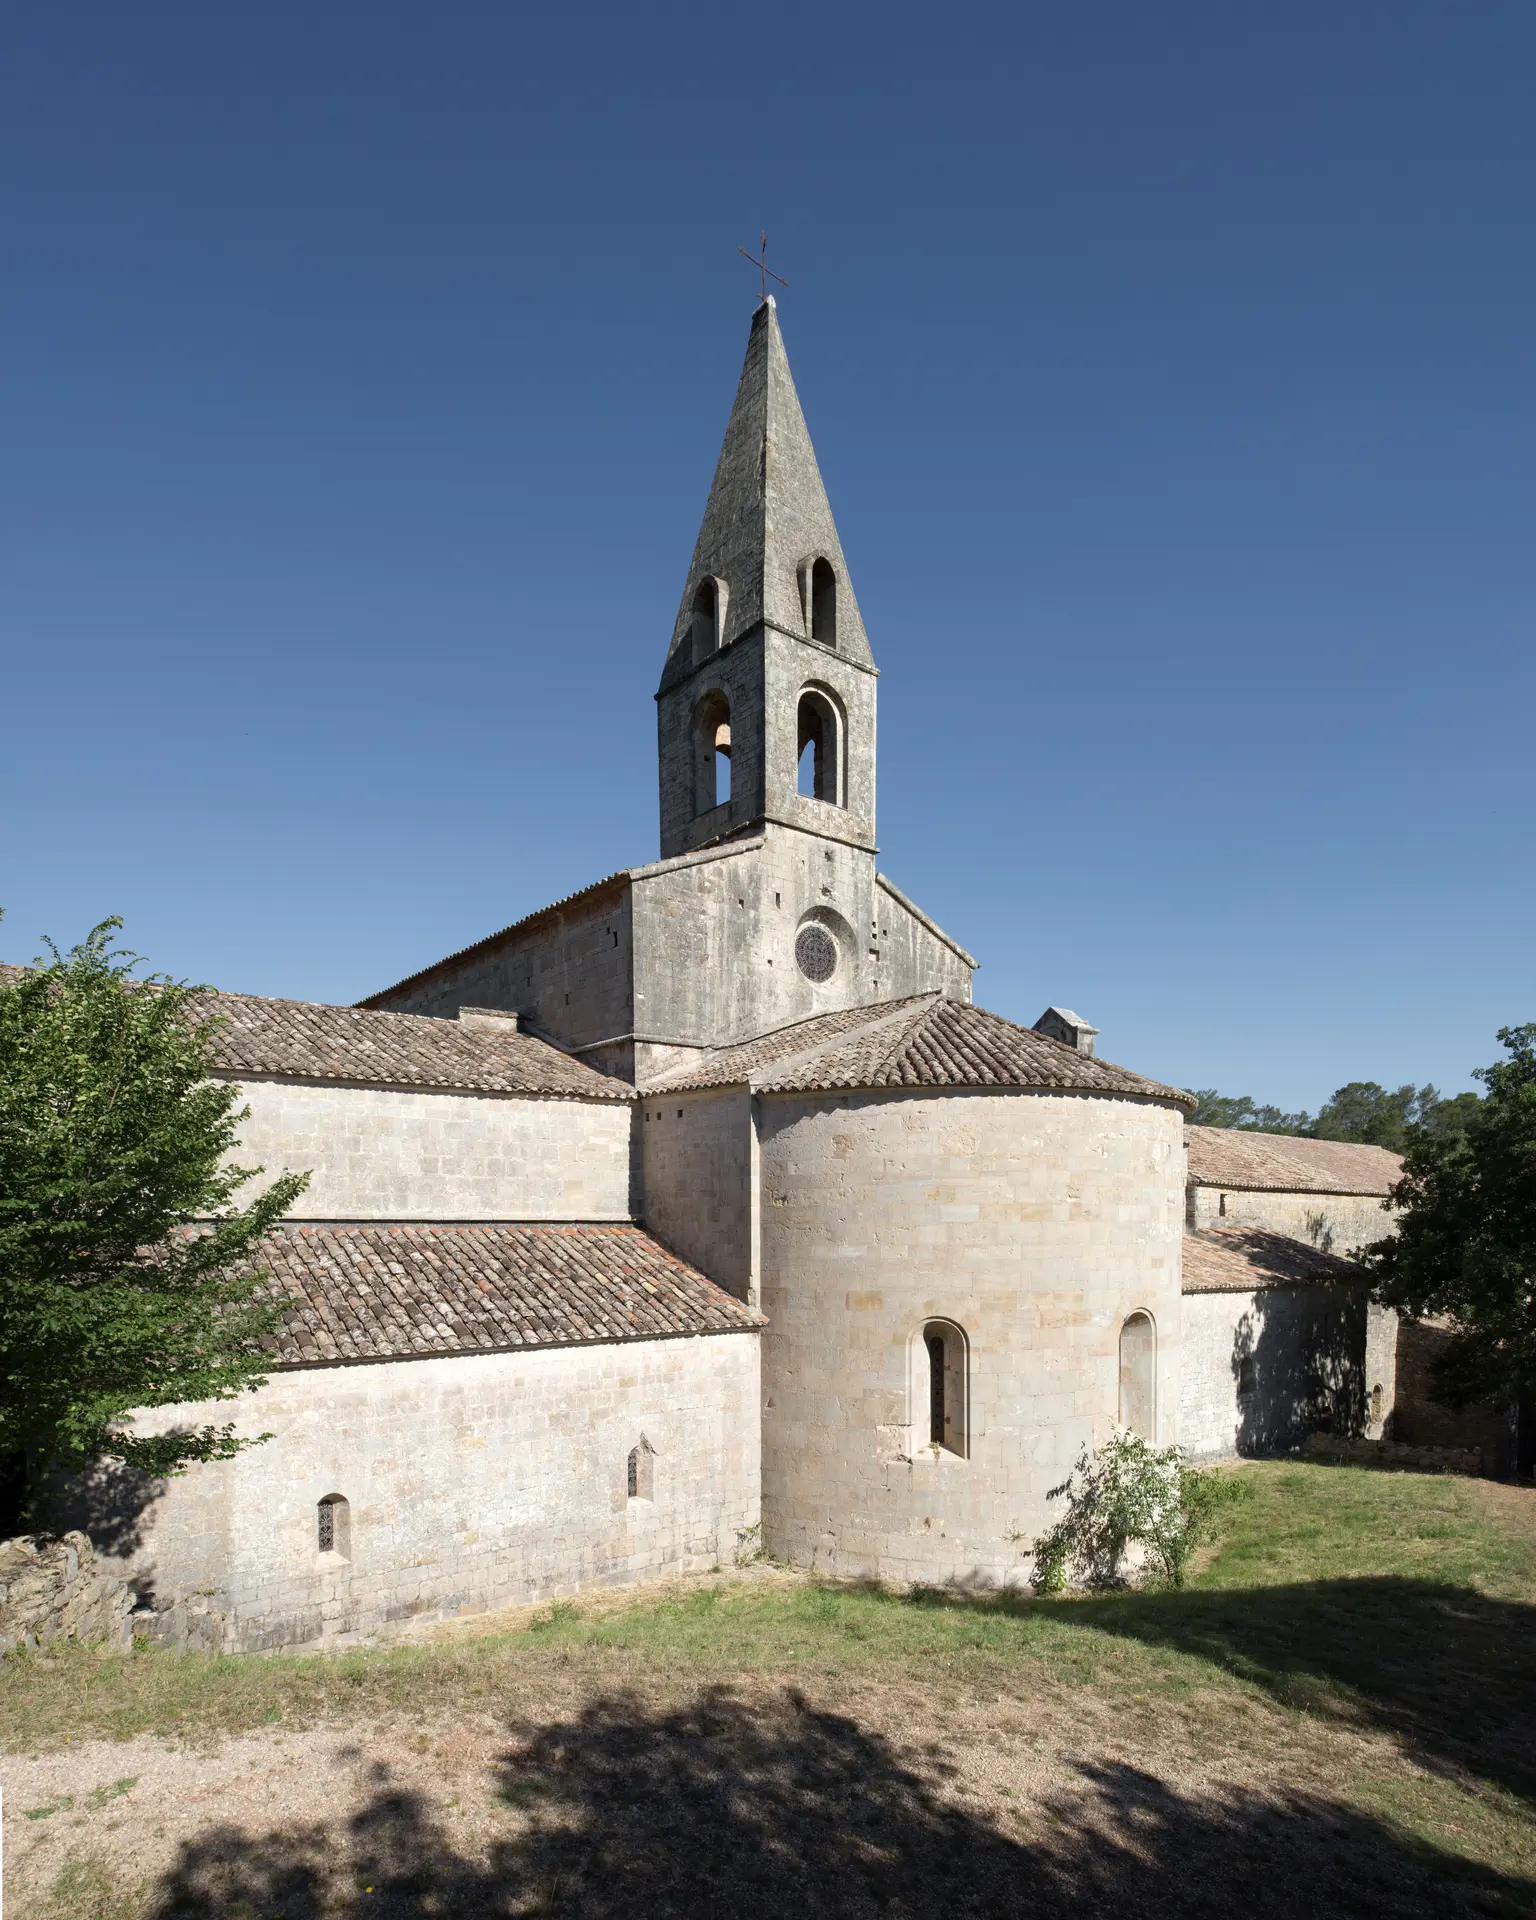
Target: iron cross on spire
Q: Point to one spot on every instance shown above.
(760, 261)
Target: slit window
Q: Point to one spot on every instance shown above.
(333, 1525)
(1138, 1375)
(1247, 1376)
(823, 603)
(704, 621)
(942, 1388)
(641, 1472)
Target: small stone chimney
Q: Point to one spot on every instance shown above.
(491, 1019)
(1071, 1029)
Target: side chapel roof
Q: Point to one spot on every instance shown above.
(379, 1292)
(1238, 1158)
(1244, 1259)
(924, 1040)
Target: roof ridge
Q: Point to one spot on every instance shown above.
(926, 1017)
(793, 1061)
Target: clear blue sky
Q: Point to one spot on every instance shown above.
(1173, 374)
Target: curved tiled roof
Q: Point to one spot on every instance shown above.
(1241, 1259)
(922, 1041)
(1282, 1163)
(399, 1049)
(379, 1292)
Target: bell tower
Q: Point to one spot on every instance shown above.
(766, 709)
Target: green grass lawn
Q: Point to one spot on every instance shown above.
(1361, 1641)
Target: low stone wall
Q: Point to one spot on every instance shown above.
(1393, 1453)
(52, 1590)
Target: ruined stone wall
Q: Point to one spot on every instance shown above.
(383, 1153)
(1420, 1420)
(1336, 1222)
(54, 1589)
(471, 1482)
(1036, 1223)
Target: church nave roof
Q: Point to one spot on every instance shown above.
(926, 1040)
(1241, 1157)
(313, 1042)
(405, 1292)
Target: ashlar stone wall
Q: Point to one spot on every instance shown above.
(470, 1482)
(715, 940)
(1034, 1222)
(699, 1161)
(1337, 1223)
(397, 1153)
(1264, 1370)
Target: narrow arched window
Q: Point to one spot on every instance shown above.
(1138, 1375)
(942, 1388)
(1378, 1400)
(819, 732)
(1247, 1375)
(705, 621)
(712, 752)
(640, 1480)
(824, 603)
(333, 1525)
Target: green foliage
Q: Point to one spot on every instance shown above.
(125, 1275)
(1130, 1494)
(1213, 1109)
(1361, 1111)
(1465, 1245)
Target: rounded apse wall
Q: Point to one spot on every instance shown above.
(1033, 1224)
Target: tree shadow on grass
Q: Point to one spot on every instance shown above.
(1447, 1671)
(783, 1810)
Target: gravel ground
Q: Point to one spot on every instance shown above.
(832, 1796)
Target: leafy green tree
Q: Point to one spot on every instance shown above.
(1368, 1113)
(1465, 1245)
(1215, 1109)
(126, 1275)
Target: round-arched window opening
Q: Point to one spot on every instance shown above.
(816, 953)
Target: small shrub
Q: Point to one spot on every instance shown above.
(1130, 1494)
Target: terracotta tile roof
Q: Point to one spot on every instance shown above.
(399, 1292)
(922, 1041)
(1241, 1259)
(310, 1041)
(401, 1049)
(1279, 1162)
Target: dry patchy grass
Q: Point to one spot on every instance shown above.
(1336, 1713)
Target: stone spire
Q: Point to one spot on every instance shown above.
(767, 521)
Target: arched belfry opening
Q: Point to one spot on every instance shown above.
(824, 603)
(819, 743)
(819, 586)
(712, 752)
(707, 618)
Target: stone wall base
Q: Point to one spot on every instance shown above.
(51, 1589)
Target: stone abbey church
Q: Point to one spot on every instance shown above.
(705, 1208)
